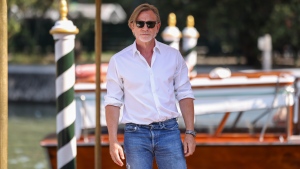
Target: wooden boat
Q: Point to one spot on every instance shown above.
(233, 121)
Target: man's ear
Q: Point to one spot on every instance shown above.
(158, 27)
(131, 26)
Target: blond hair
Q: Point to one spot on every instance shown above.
(141, 8)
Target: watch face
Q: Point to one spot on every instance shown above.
(191, 132)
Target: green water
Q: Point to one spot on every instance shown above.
(28, 124)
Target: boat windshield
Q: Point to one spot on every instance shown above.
(207, 120)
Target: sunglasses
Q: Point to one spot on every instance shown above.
(141, 24)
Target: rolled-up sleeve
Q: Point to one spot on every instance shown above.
(182, 85)
(114, 86)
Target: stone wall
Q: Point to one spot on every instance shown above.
(31, 83)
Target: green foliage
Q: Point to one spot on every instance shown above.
(227, 27)
(46, 59)
(13, 27)
(17, 9)
(236, 25)
(284, 24)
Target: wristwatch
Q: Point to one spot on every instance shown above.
(192, 132)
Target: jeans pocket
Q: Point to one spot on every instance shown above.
(173, 125)
(130, 128)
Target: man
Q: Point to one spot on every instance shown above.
(147, 78)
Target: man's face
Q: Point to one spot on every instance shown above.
(141, 28)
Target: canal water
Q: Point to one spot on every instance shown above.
(28, 123)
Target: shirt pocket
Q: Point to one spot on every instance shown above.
(173, 125)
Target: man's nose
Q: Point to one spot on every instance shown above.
(145, 27)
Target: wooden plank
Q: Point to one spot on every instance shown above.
(290, 121)
(222, 124)
(247, 74)
(210, 157)
(245, 157)
(201, 138)
(242, 85)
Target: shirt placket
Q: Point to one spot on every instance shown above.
(153, 86)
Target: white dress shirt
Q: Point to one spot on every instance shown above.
(147, 93)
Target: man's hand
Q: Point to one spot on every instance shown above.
(189, 145)
(116, 153)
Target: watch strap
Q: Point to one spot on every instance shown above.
(192, 132)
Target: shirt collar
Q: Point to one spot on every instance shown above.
(156, 48)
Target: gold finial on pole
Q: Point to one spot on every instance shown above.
(64, 26)
(172, 19)
(190, 22)
(63, 9)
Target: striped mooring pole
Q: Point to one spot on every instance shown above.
(171, 34)
(64, 36)
(189, 42)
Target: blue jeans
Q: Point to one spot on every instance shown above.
(159, 140)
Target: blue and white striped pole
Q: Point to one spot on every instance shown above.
(64, 35)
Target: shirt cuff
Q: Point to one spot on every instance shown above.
(185, 95)
(112, 102)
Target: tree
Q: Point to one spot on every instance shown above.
(21, 26)
(237, 25)
(18, 8)
(284, 25)
(226, 26)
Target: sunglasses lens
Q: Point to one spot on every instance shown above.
(141, 24)
(150, 24)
